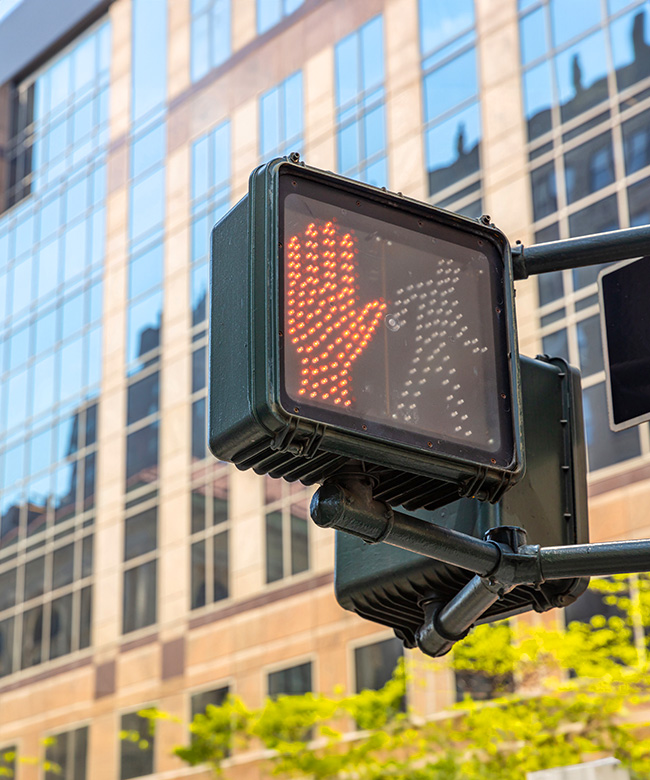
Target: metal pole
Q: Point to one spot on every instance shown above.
(578, 252)
(595, 560)
(443, 544)
(356, 513)
(446, 624)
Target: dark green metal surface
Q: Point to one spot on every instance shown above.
(389, 585)
(247, 424)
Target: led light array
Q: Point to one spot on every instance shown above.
(431, 307)
(325, 321)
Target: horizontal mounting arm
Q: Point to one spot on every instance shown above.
(500, 563)
(578, 252)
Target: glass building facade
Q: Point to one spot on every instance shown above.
(135, 569)
(585, 69)
(52, 253)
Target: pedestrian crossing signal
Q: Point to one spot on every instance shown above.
(353, 324)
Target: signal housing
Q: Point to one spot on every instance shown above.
(387, 267)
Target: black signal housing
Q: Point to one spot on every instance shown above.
(352, 324)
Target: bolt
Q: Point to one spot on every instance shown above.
(294, 157)
(485, 219)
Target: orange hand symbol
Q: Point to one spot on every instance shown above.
(326, 323)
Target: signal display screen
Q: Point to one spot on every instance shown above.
(393, 324)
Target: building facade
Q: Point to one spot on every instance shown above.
(135, 570)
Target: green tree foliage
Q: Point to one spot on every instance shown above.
(579, 695)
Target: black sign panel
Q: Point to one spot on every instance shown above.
(625, 316)
(393, 323)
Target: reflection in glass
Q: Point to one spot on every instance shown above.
(10, 519)
(198, 598)
(450, 84)
(441, 21)
(636, 142)
(61, 626)
(598, 218)
(144, 326)
(631, 46)
(274, 554)
(71, 369)
(453, 149)
(65, 491)
(148, 150)
(147, 204)
(375, 664)
(139, 601)
(197, 510)
(589, 167)
(199, 427)
(136, 758)
(6, 646)
(142, 398)
(146, 271)
(290, 682)
(142, 457)
(582, 76)
(62, 566)
(32, 648)
(544, 190)
(198, 369)
(638, 198)
(532, 36)
(590, 347)
(605, 447)
(140, 533)
(570, 18)
(34, 578)
(7, 589)
(85, 609)
(281, 118)
(220, 566)
(299, 544)
(149, 56)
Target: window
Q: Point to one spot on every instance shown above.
(270, 12)
(210, 569)
(281, 119)
(66, 755)
(286, 529)
(60, 116)
(144, 311)
(142, 431)
(375, 664)
(578, 176)
(565, 49)
(149, 58)
(636, 142)
(452, 120)
(201, 701)
(8, 756)
(52, 247)
(361, 104)
(140, 573)
(293, 681)
(210, 41)
(137, 742)
(589, 167)
(46, 600)
(210, 192)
